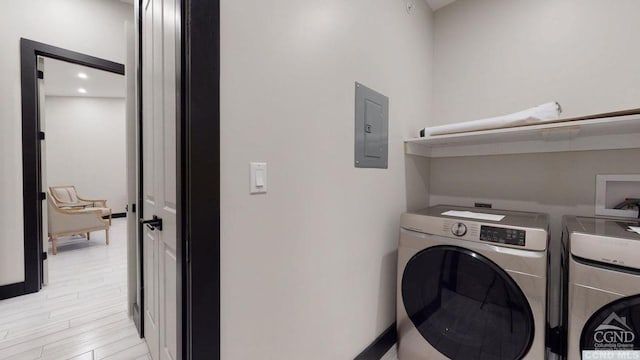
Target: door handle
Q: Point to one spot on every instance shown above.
(153, 224)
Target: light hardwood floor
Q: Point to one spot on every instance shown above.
(82, 313)
(392, 354)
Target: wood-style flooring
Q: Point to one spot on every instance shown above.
(82, 313)
(392, 354)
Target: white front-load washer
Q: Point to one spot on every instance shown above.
(472, 287)
(601, 292)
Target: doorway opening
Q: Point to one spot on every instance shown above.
(93, 286)
(84, 166)
(193, 25)
(84, 172)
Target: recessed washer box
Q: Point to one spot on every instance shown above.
(372, 128)
(614, 189)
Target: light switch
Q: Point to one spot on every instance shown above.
(258, 177)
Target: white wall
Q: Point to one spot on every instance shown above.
(308, 269)
(94, 27)
(498, 56)
(86, 147)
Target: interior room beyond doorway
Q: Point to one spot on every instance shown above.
(84, 159)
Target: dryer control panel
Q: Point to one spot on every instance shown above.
(503, 235)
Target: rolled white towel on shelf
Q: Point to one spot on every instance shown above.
(538, 114)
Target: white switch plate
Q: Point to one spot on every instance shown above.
(258, 177)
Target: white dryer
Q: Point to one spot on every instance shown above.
(472, 288)
(601, 292)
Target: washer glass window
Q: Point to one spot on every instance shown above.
(466, 306)
(615, 327)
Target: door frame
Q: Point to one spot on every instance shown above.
(199, 180)
(31, 161)
(198, 172)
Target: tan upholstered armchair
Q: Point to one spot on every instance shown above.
(71, 215)
(66, 197)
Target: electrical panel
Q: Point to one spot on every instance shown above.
(371, 128)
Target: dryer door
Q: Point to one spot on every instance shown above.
(614, 331)
(466, 306)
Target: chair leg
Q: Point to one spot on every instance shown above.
(107, 232)
(55, 247)
(88, 236)
(109, 219)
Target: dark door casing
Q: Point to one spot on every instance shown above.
(31, 171)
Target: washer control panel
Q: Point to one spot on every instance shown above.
(490, 233)
(503, 235)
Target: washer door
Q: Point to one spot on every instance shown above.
(615, 326)
(466, 306)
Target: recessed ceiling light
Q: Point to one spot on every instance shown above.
(82, 75)
(82, 91)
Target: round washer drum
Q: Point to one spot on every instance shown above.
(472, 289)
(615, 323)
(465, 305)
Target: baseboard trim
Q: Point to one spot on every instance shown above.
(116, 215)
(12, 290)
(380, 345)
(136, 319)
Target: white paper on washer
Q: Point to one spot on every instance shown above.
(474, 215)
(635, 229)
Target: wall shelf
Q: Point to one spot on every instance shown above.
(606, 133)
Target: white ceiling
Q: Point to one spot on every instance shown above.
(61, 79)
(437, 4)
